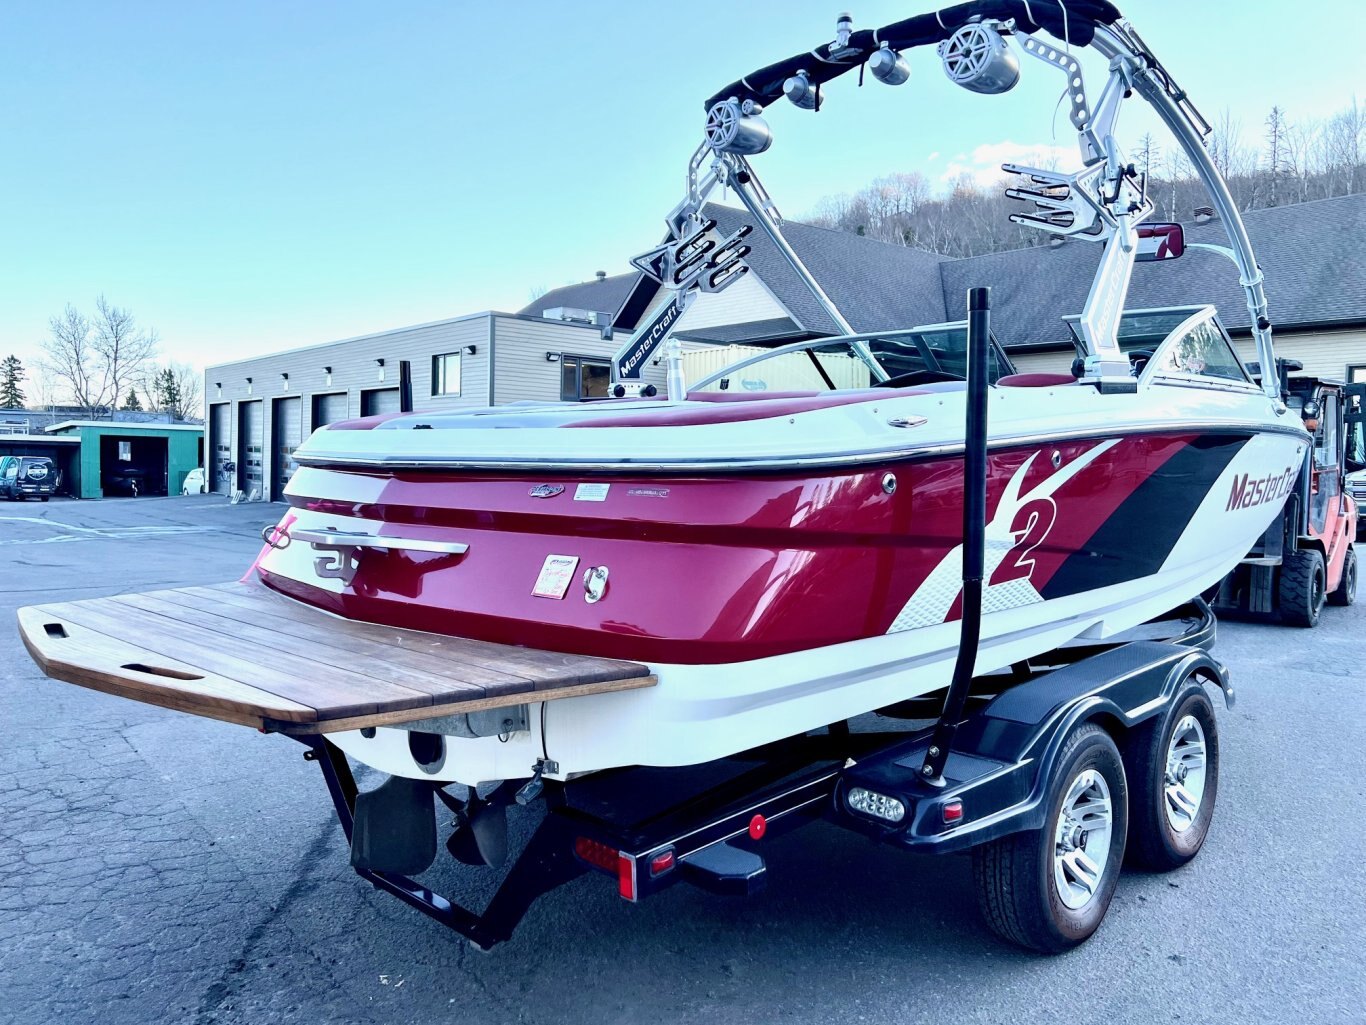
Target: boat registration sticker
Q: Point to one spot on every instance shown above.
(557, 572)
(591, 492)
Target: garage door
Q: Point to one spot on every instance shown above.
(329, 409)
(220, 474)
(250, 446)
(379, 400)
(287, 429)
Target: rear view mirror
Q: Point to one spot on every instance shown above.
(1160, 242)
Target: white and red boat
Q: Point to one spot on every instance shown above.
(781, 561)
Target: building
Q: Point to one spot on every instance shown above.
(130, 454)
(259, 410)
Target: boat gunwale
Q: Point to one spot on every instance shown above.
(625, 465)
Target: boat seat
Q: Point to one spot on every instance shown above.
(1035, 380)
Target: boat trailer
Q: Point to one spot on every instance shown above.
(987, 766)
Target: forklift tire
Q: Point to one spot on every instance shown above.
(1173, 766)
(1303, 586)
(1346, 592)
(1027, 884)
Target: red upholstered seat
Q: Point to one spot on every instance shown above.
(1035, 380)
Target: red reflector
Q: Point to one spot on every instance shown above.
(596, 854)
(626, 877)
(661, 863)
(953, 811)
(758, 826)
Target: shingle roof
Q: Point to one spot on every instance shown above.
(874, 284)
(1310, 253)
(600, 296)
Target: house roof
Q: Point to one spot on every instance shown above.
(1310, 253)
(602, 295)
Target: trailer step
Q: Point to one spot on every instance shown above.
(725, 870)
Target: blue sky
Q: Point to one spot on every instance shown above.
(252, 176)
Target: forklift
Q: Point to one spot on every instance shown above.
(1306, 557)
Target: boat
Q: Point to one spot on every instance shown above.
(789, 558)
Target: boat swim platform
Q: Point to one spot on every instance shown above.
(241, 653)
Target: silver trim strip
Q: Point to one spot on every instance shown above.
(328, 538)
(775, 463)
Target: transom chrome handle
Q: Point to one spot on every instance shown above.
(330, 538)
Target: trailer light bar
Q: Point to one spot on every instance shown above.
(879, 806)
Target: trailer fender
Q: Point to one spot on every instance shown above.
(1005, 756)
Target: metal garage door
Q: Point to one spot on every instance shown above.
(250, 446)
(328, 409)
(287, 434)
(220, 476)
(379, 400)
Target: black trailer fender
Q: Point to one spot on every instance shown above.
(1004, 756)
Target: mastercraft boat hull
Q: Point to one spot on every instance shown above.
(769, 603)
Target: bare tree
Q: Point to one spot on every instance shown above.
(1275, 152)
(69, 358)
(121, 346)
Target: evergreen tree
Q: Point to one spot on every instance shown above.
(167, 391)
(132, 404)
(11, 373)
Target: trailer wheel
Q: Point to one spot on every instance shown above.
(1049, 889)
(1173, 761)
(1304, 584)
(1346, 592)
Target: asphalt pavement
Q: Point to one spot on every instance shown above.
(156, 867)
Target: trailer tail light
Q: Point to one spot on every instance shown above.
(599, 855)
(758, 826)
(662, 862)
(953, 812)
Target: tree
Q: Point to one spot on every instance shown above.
(122, 347)
(175, 388)
(96, 361)
(1275, 151)
(11, 373)
(132, 404)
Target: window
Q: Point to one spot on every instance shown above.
(1326, 437)
(583, 377)
(125, 451)
(1356, 374)
(446, 374)
(1203, 352)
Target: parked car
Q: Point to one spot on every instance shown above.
(1356, 487)
(125, 480)
(27, 477)
(195, 482)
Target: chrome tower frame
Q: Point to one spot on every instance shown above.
(1104, 201)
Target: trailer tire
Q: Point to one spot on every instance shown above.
(1173, 766)
(1018, 888)
(1346, 591)
(1303, 587)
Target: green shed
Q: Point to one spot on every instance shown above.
(129, 458)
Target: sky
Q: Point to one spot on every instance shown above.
(254, 176)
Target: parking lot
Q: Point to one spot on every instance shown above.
(156, 867)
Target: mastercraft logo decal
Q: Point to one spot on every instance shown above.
(1271, 488)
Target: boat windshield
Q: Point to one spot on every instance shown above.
(1139, 330)
(853, 361)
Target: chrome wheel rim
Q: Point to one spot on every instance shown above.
(1081, 844)
(1183, 786)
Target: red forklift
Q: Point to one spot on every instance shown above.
(1306, 557)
